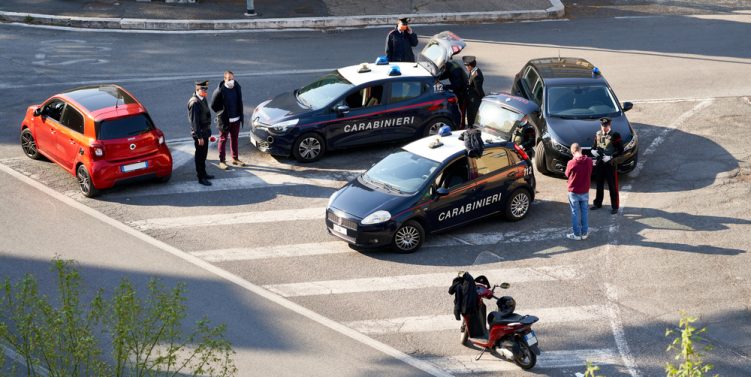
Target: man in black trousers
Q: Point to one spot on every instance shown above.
(200, 124)
(608, 147)
(474, 90)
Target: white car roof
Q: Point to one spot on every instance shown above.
(379, 72)
(451, 146)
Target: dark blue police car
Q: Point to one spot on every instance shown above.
(360, 104)
(423, 189)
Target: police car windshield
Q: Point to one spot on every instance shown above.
(323, 91)
(404, 172)
(580, 101)
(497, 120)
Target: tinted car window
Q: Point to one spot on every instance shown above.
(323, 91)
(531, 77)
(401, 91)
(54, 109)
(497, 120)
(455, 174)
(72, 119)
(492, 160)
(365, 97)
(124, 127)
(403, 171)
(580, 101)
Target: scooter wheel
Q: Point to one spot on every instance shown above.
(526, 359)
(464, 335)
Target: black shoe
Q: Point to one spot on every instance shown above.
(614, 211)
(204, 182)
(209, 176)
(594, 208)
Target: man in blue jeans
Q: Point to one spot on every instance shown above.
(579, 174)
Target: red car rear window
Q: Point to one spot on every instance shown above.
(124, 127)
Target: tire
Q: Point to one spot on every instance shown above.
(164, 179)
(29, 145)
(84, 182)
(517, 205)
(464, 338)
(636, 162)
(308, 148)
(540, 163)
(409, 237)
(434, 125)
(526, 359)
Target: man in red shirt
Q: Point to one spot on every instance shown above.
(579, 174)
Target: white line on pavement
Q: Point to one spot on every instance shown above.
(466, 364)
(232, 278)
(254, 217)
(335, 247)
(449, 322)
(378, 284)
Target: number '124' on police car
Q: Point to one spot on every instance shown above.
(425, 188)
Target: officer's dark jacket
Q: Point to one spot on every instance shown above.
(399, 46)
(475, 90)
(465, 302)
(457, 76)
(199, 116)
(219, 104)
(609, 144)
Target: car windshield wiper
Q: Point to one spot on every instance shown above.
(563, 116)
(391, 188)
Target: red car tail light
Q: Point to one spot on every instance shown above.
(453, 99)
(160, 137)
(97, 151)
(521, 152)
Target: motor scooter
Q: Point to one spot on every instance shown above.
(506, 333)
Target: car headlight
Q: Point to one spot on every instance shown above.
(631, 144)
(560, 147)
(282, 127)
(376, 217)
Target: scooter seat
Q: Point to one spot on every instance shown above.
(513, 317)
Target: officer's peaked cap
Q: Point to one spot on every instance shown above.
(468, 59)
(605, 121)
(404, 20)
(202, 83)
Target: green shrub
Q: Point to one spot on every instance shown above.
(684, 345)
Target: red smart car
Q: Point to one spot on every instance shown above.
(102, 134)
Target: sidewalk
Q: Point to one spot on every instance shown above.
(279, 14)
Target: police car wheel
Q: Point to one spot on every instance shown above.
(308, 148)
(540, 163)
(517, 206)
(436, 124)
(408, 238)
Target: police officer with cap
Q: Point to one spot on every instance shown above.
(200, 124)
(474, 89)
(458, 79)
(399, 42)
(606, 150)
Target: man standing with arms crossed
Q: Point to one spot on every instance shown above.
(227, 103)
(579, 174)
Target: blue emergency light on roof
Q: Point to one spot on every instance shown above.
(382, 60)
(445, 130)
(595, 72)
(395, 71)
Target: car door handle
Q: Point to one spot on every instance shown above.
(72, 142)
(512, 174)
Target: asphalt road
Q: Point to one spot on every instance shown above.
(680, 242)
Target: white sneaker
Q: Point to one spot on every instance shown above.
(572, 236)
(585, 236)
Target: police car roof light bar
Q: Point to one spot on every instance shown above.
(595, 72)
(382, 60)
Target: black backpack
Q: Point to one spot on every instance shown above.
(473, 142)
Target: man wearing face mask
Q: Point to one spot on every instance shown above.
(200, 124)
(400, 41)
(227, 103)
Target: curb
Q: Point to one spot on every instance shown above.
(556, 10)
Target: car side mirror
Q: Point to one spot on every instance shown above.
(341, 109)
(442, 191)
(37, 111)
(627, 106)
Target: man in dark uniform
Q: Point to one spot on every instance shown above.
(457, 76)
(474, 91)
(200, 124)
(399, 42)
(524, 136)
(608, 147)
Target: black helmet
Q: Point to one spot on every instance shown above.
(506, 305)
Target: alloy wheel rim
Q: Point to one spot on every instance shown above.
(435, 127)
(83, 180)
(310, 148)
(28, 145)
(407, 238)
(519, 205)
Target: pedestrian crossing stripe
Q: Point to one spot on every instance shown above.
(390, 283)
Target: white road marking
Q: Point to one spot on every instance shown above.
(254, 217)
(232, 278)
(466, 364)
(323, 248)
(449, 322)
(389, 283)
(619, 334)
(182, 153)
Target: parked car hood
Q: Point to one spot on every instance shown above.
(280, 108)
(582, 131)
(359, 200)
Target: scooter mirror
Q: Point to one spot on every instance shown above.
(505, 285)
